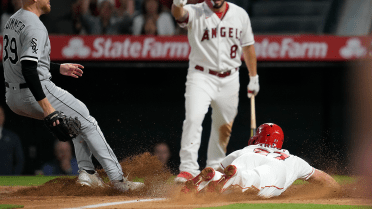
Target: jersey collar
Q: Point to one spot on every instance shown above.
(224, 12)
(209, 12)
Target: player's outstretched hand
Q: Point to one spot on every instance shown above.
(180, 3)
(73, 70)
(253, 86)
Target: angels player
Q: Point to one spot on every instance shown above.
(218, 32)
(262, 166)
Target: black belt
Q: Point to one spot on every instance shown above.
(21, 86)
(216, 73)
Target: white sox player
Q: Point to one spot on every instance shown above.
(218, 32)
(262, 166)
(31, 93)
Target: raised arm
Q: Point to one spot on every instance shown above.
(322, 178)
(178, 12)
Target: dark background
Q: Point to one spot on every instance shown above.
(140, 104)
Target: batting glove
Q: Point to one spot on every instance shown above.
(180, 3)
(253, 86)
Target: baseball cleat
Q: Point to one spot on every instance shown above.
(135, 185)
(183, 177)
(217, 186)
(124, 185)
(120, 185)
(91, 180)
(205, 175)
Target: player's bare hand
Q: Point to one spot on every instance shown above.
(253, 86)
(73, 70)
(180, 3)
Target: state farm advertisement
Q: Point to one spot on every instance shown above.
(312, 48)
(120, 48)
(177, 48)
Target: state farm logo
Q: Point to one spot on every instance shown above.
(353, 49)
(147, 48)
(289, 48)
(108, 48)
(76, 48)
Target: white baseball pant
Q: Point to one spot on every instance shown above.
(202, 90)
(257, 171)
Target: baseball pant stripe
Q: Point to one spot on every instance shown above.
(114, 159)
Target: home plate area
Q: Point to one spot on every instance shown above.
(159, 192)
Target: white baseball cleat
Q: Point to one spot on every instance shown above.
(120, 185)
(91, 180)
(183, 177)
(135, 185)
(125, 185)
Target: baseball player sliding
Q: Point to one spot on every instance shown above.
(218, 32)
(262, 166)
(31, 93)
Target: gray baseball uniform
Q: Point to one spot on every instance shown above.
(26, 38)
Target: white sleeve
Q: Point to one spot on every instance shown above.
(304, 170)
(247, 35)
(191, 10)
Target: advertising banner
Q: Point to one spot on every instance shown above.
(176, 48)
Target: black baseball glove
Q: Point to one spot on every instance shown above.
(67, 129)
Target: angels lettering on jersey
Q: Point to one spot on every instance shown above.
(223, 32)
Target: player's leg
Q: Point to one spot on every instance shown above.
(87, 174)
(22, 102)
(240, 174)
(262, 173)
(93, 136)
(95, 141)
(197, 101)
(224, 110)
(83, 154)
(273, 179)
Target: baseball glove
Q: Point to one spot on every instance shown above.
(67, 129)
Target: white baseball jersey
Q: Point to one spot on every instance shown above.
(277, 169)
(217, 43)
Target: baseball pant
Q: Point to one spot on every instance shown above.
(202, 90)
(91, 140)
(259, 172)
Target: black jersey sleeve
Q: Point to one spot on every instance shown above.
(30, 74)
(54, 66)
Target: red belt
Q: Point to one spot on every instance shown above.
(213, 72)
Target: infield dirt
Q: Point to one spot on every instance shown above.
(66, 193)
